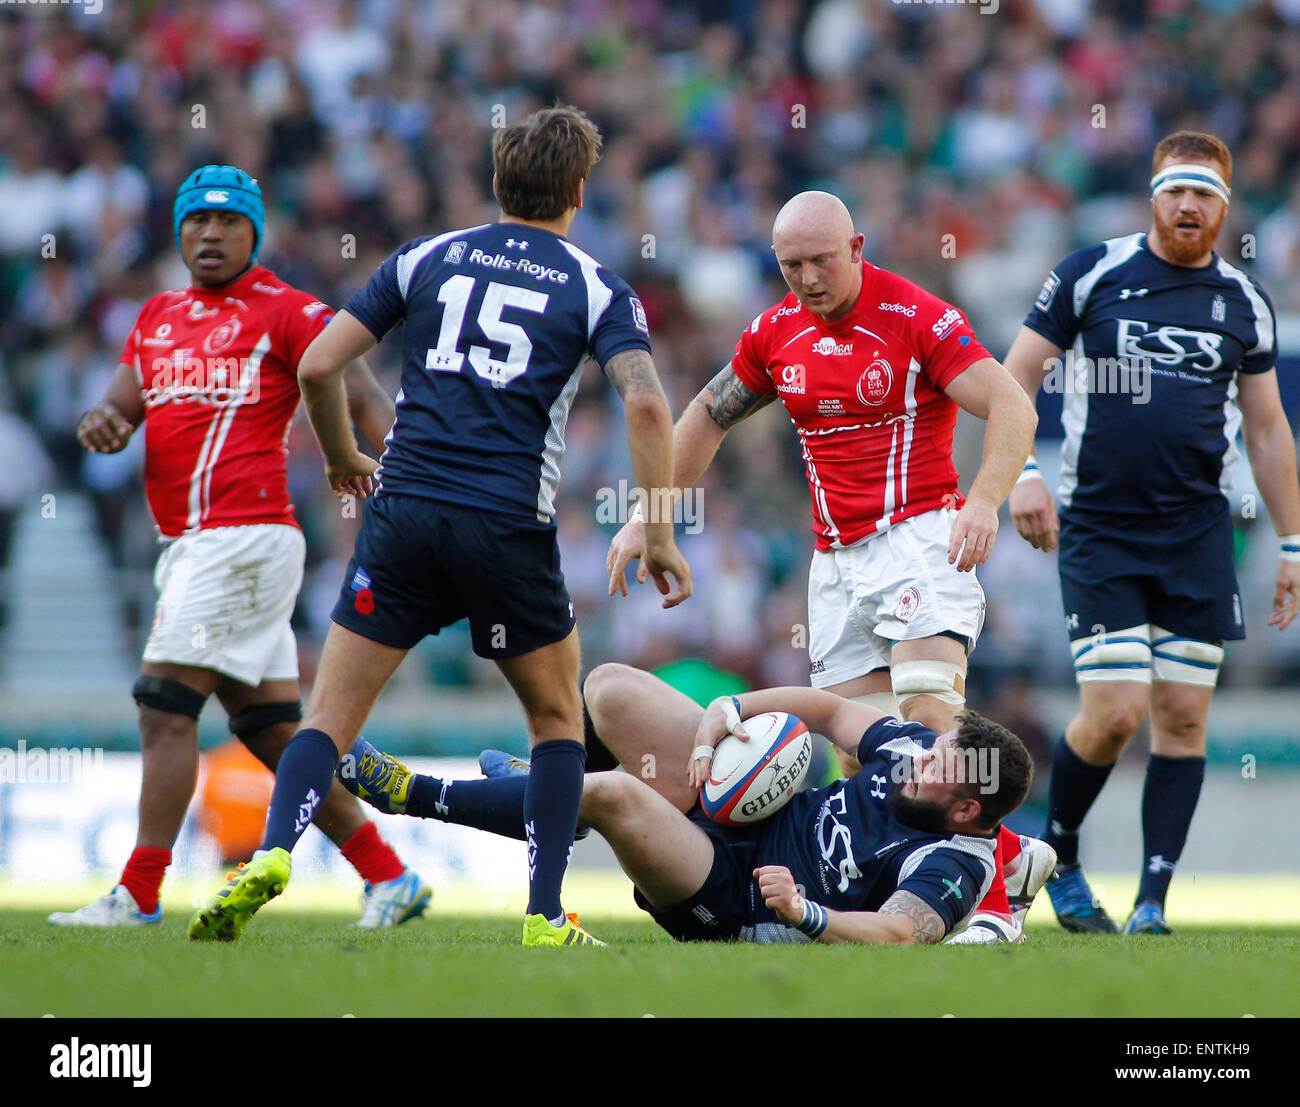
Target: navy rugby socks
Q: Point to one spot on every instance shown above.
(550, 820)
(495, 805)
(302, 781)
(1073, 787)
(1173, 785)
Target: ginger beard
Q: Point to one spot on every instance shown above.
(1186, 236)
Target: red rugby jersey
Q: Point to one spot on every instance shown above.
(866, 396)
(218, 371)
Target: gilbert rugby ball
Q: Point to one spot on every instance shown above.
(749, 781)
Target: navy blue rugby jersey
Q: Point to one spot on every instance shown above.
(1181, 335)
(849, 853)
(499, 321)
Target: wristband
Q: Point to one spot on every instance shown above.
(703, 751)
(1290, 547)
(815, 918)
(1030, 471)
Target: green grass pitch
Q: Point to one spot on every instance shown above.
(299, 957)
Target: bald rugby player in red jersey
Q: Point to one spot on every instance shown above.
(211, 371)
(871, 369)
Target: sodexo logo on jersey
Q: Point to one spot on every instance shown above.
(1174, 347)
(900, 309)
(828, 347)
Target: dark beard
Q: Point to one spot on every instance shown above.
(1185, 253)
(919, 814)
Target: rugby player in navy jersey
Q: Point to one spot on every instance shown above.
(499, 321)
(900, 853)
(1180, 349)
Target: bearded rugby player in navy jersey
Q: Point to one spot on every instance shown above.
(499, 321)
(900, 853)
(1172, 352)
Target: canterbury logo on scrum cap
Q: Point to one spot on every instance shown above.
(216, 196)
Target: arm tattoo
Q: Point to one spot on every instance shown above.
(728, 399)
(927, 926)
(632, 371)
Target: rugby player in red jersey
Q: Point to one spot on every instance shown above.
(211, 371)
(871, 369)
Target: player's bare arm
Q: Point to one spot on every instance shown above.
(1033, 508)
(1271, 449)
(370, 408)
(722, 403)
(989, 392)
(904, 919)
(650, 437)
(841, 720)
(320, 376)
(107, 427)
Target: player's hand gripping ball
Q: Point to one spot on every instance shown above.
(748, 781)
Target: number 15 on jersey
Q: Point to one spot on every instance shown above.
(447, 356)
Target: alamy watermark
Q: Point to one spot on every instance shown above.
(1101, 376)
(977, 765)
(92, 7)
(617, 506)
(39, 765)
(986, 7)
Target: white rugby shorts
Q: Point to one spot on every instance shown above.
(892, 586)
(225, 598)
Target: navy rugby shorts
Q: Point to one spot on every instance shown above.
(1180, 578)
(421, 565)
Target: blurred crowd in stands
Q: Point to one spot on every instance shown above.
(974, 146)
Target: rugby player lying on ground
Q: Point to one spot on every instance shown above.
(902, 852)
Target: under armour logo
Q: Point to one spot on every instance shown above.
(305, 810)
(878, 782)
(1072, 621)
(1125, 293)
(1158, 863)
(1059, 831)
(522, 244)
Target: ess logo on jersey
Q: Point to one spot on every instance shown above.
(1176, 347)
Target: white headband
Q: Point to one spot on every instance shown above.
(1175, 177)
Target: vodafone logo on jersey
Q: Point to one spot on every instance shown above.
(876, 381)
(222, 337)
(828, 347)
(162, 336)
(792, 378)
